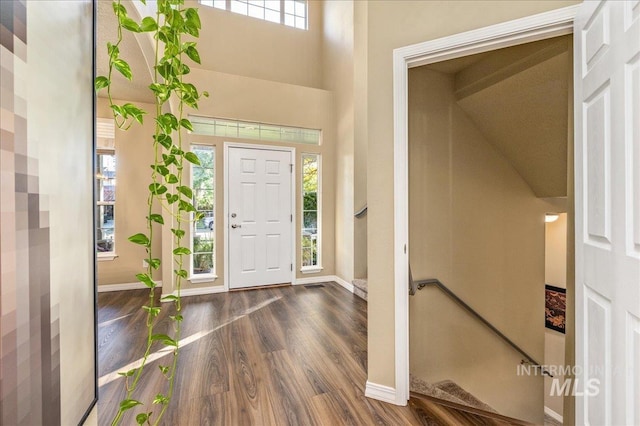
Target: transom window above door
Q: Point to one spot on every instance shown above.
(292, 13)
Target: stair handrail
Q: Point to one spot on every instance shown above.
(420, 284)
(361, 212)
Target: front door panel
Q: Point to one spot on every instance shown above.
(260, 217)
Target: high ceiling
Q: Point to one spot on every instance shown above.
(518, 98)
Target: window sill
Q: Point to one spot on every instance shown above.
(204, 278)
(311, 269)
(103, 257)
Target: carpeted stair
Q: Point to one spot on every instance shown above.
(449, 391)
(360, 287)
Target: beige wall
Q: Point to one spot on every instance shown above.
(249, 47)
(339, 78)
(360, 51)
(476, 225)
(556, 275)
(134, 154)
(393, 24)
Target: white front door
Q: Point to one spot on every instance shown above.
(607, 161)
(260, 217)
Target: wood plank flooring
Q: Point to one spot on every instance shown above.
(276, 356)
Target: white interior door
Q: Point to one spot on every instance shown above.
(607, 147)
(260, 217)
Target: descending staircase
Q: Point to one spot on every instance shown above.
(446, 403)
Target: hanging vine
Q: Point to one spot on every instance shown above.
(167, 189)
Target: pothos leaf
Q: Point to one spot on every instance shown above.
(192, 158)
(126, 404)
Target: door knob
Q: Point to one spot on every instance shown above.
(234, 226)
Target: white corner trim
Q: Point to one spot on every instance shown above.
(347, 285)
(311, 269)
(555, 416)
(186, 292)
(381, 393)
(544, 25)
(202, 279)
(518, 31)
(324, 279)
(124, 286)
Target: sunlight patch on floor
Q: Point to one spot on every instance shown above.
(110, 377)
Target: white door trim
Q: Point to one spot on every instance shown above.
(531, 28)
(294, 251)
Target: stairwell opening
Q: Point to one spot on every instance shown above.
(489, 143)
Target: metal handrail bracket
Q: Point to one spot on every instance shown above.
(420, 284)
(361, 212)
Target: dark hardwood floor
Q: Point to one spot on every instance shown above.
(276, 356)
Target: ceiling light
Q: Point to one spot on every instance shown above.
(551, 217)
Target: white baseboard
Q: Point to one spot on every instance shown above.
(380, 392)
(324, 279)
(343, 283)
(314, 280)
(124, 286)
(555, 416)
(185, 292)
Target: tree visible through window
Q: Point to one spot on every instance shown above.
(292, 13)
(106, 185)
(310, 210)
(203, 229)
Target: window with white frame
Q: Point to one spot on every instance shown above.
(292, 13)
(311, 212)
(105, 202)
(203, 228)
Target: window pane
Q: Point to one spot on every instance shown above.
(310, 209)
(106, 197)
(295, 11)
(256, 12)
(253, 130)
(238, 6)
(272, 16)
(248, 130)
(203, 229)
(289, 7)
(105, 229)
(289, 20)
(273, 5)
(310, 221)
(270, 133)
(202, 263)
(310, 201)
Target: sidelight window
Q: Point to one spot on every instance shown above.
(203, 229)
(311, 253)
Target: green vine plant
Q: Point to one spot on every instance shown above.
(172, 24)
